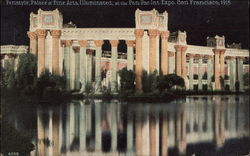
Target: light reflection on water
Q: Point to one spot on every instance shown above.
(95, 127)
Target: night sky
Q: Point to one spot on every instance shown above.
(198, 21)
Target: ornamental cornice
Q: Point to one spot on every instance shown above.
(6, 49)
(190, 55)
(130, 43)
(222, 52)
(200, 56)
(55, 33)
(231, 57)
(153, 33)
(183, 48)
(240, 58)
(178, 48)
(41, 33)
(208, 56)
(114, 43)
(216, 51)
(32, 35)
(139, 33)
(170, 54)
(63, 43)
(83, 43)
(164, 34)
(68, 43)
(98, 33)
(98, 43)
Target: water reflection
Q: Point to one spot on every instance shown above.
(95, 127)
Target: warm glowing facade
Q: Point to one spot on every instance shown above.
(77, 53)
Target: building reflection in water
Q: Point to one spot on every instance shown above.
(95, 127)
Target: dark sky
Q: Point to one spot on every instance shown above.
(198, 21)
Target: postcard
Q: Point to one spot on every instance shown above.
(116, 77)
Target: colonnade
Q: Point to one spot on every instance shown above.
(37, 47)
(153, 33)
(78, 60)
(180, 63)
(218, 66)
(85, 65)
(234, 66)
(9, 60)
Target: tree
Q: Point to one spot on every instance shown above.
(8, 77)
(48, 82)
(222, 82)
(127, 80)
(246, 79)
(26, 73)
(149, 81)
(170, 80)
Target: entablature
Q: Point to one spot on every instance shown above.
(13, 49)
(98, 34)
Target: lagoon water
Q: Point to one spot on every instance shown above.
(200, 125)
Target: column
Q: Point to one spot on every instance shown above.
(55, 51)
(16, 61)
(240, 73)
(130, 54)
(82, 138)
(89, 67)
(191, 74)
(83, 64)
(114, 56)
(41, 34)
(183, 62)
(164, 145)
(171, 64)
(138, 135)
(49, 135)
(33, 42)
(152, 129)
(98, 55)
(219, 123)
(61, 130)
(67, 48)
(113, 126)
(130, 145)
(145, 120)
(181, 132)
(200, 73)
(178, 60)
(232, 73)
(55, 128)
(77, 67)
(70, 126)
(40, 133)
(138, 65)
(98, 132)
(209, 72)
(152, 49)
(164, 52)
(72, 72)
(216, 69)
(222, 64)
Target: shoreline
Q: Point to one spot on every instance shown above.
(150, 97)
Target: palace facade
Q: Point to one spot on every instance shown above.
(78, 53)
